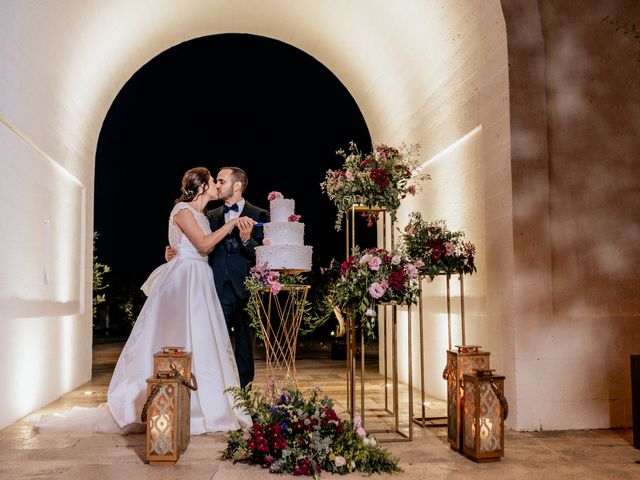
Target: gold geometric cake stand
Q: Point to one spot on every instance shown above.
(280, 315)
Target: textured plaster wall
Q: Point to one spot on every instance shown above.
(574, 129)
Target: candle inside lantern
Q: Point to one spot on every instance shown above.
(485, 434)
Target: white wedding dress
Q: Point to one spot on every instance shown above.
(182, 309)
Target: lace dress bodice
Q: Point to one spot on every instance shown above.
(177, 239)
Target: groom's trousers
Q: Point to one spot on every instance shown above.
(238, 323)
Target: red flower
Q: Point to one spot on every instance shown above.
(348, 265)
(386, 151)
(365, 163)
(437, 249)
(381, 177)
(397, 281)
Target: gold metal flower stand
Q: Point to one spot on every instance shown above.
(395, 434)
(424, 420)
(280, 315)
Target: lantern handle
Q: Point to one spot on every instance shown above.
(446, 373)
(503, 400)
(192, 384)
(152, 395)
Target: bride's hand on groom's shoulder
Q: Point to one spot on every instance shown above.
(169, 253)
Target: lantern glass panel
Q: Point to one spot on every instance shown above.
(161, 423)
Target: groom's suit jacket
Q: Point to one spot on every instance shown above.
(230, 259)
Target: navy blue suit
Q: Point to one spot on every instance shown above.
(231, 262)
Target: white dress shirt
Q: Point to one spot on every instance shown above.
(231, 214)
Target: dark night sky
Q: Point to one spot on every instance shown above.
(226, 99)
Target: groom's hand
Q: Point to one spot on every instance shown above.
(245, 227)
(169, 253)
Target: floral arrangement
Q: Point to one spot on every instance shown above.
(435, 249)
(301, 434)
(371, 277)
(379, 179)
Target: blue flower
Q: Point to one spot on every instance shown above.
(283, 399)
(284, 426)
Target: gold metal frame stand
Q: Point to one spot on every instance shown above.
(351, 342)
(400, 435)
(424, 420)
(280, 315)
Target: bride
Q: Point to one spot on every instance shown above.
(182, 309)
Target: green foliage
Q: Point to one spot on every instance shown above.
(99, 272)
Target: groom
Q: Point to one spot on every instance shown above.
(231, 261)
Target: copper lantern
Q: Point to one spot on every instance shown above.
(485, 409)
(463, 359)
(176, 358)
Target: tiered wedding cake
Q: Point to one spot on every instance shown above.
(283, 246)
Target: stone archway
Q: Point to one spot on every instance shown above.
(428, 73)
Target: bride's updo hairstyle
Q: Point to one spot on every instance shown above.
(191, 183)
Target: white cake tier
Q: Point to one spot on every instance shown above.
(281, 209)
(284, 233)
(285, 257)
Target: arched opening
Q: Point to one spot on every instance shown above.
(229, 99)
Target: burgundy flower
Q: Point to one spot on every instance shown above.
(381, 177)
(436, 248)
(386, 151)
(397, 281)
(365, 163)
(348, 265)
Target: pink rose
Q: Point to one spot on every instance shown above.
(361, 431)
(365, 258)
(266, 241)
(357, 421)
(294, 218)
(376, 290)
(374, 263)
(276, 287)
(349, 175)
(418, 263)
(396, 259)
(448, 248)
(274, 196)
(411, 270)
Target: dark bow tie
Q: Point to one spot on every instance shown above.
(227, 208)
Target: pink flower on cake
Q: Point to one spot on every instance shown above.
(376, 290)
(274, 196)
(374, 263)
(294, 218)
(266, 241)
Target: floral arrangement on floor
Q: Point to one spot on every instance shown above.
(371, 277)
(301, 434)
(380, 179)
(435, 249)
